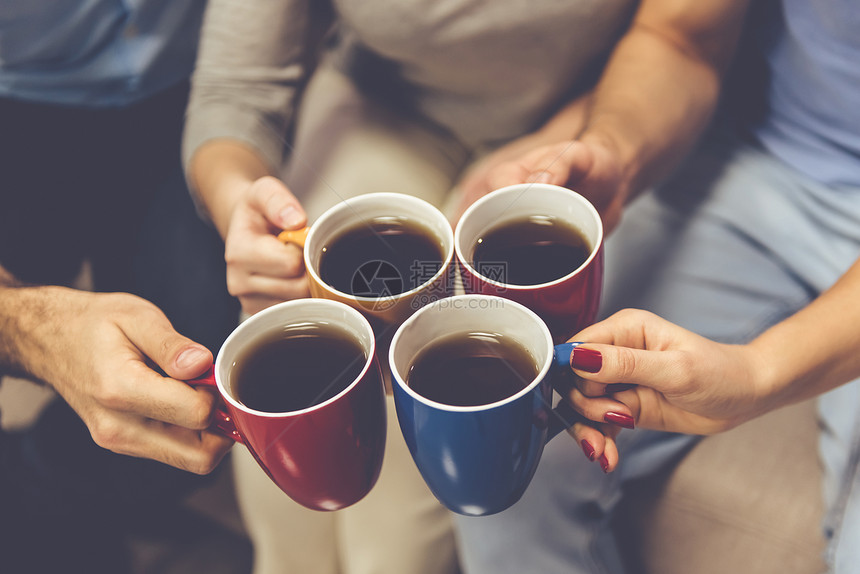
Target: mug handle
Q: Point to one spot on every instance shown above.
(223, 423)
(295, 236)
(563, 416)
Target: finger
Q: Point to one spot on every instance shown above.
(271, 197)
(660, 370)
(591, 388)
(510, 173)
(149, 330)
(255, 253)
(609, 459)
(562, 163)
(146, 394)
(602, 409)
(142, 391)
(628, 328)
(590, 440)
(597, 443)
(194, 451)
(264, 286)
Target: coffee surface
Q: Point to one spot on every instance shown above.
(530, 251)
(471, 369)
(296, 368)
(380, 258)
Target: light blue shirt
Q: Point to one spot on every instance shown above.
(813, 122)
(95, 52)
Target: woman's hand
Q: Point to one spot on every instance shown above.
(249, 208)
(639, 369)
(262, 271)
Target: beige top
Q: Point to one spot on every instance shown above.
(486, 70)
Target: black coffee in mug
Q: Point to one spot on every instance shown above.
(530, 251)
(471, 369)
(296, 368)
(382, 257)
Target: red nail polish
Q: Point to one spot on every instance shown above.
(619, 419)
(587, 360)
(604, 463)
(587, 449)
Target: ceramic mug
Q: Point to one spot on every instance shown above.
(567, 304)
(478, 460)
(327, 456)
(382, 308)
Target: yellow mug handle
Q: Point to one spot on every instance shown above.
(295, 236)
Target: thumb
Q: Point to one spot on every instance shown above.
(271, 197)
(562, 164)
(178, 356)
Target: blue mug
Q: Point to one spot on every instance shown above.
(478, 460)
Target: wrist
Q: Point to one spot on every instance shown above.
(221, 171)
(28, 322)
(769, 383)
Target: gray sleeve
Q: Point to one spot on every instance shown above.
(251, 63)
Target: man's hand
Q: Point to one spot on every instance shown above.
(589, 167)
(99, 352)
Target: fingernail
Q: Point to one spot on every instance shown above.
(619, 419)
(291, 217)
(190, 356)
(619, 387)
(587, 360)
(604, 463)
(587, 449)
(540, 177)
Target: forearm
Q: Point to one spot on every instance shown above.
(661, 85)
(221, 171)
(25, 317)
(818, 348)
(254, 57)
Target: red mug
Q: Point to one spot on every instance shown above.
(566, 304)
(327, 456)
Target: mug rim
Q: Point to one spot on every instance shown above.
(540, 376)
(382, 195)
(279, 308)
(461, 258)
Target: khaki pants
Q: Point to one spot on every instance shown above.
(347, 146)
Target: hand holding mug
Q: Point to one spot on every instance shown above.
(591, 166)
(261, 270)
(665, 377)
(99, 351)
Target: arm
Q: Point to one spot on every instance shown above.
(654, 98)
(687, 383)
(254, 58)
(95, 351)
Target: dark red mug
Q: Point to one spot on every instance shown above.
(567, 304)
(327, 456)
